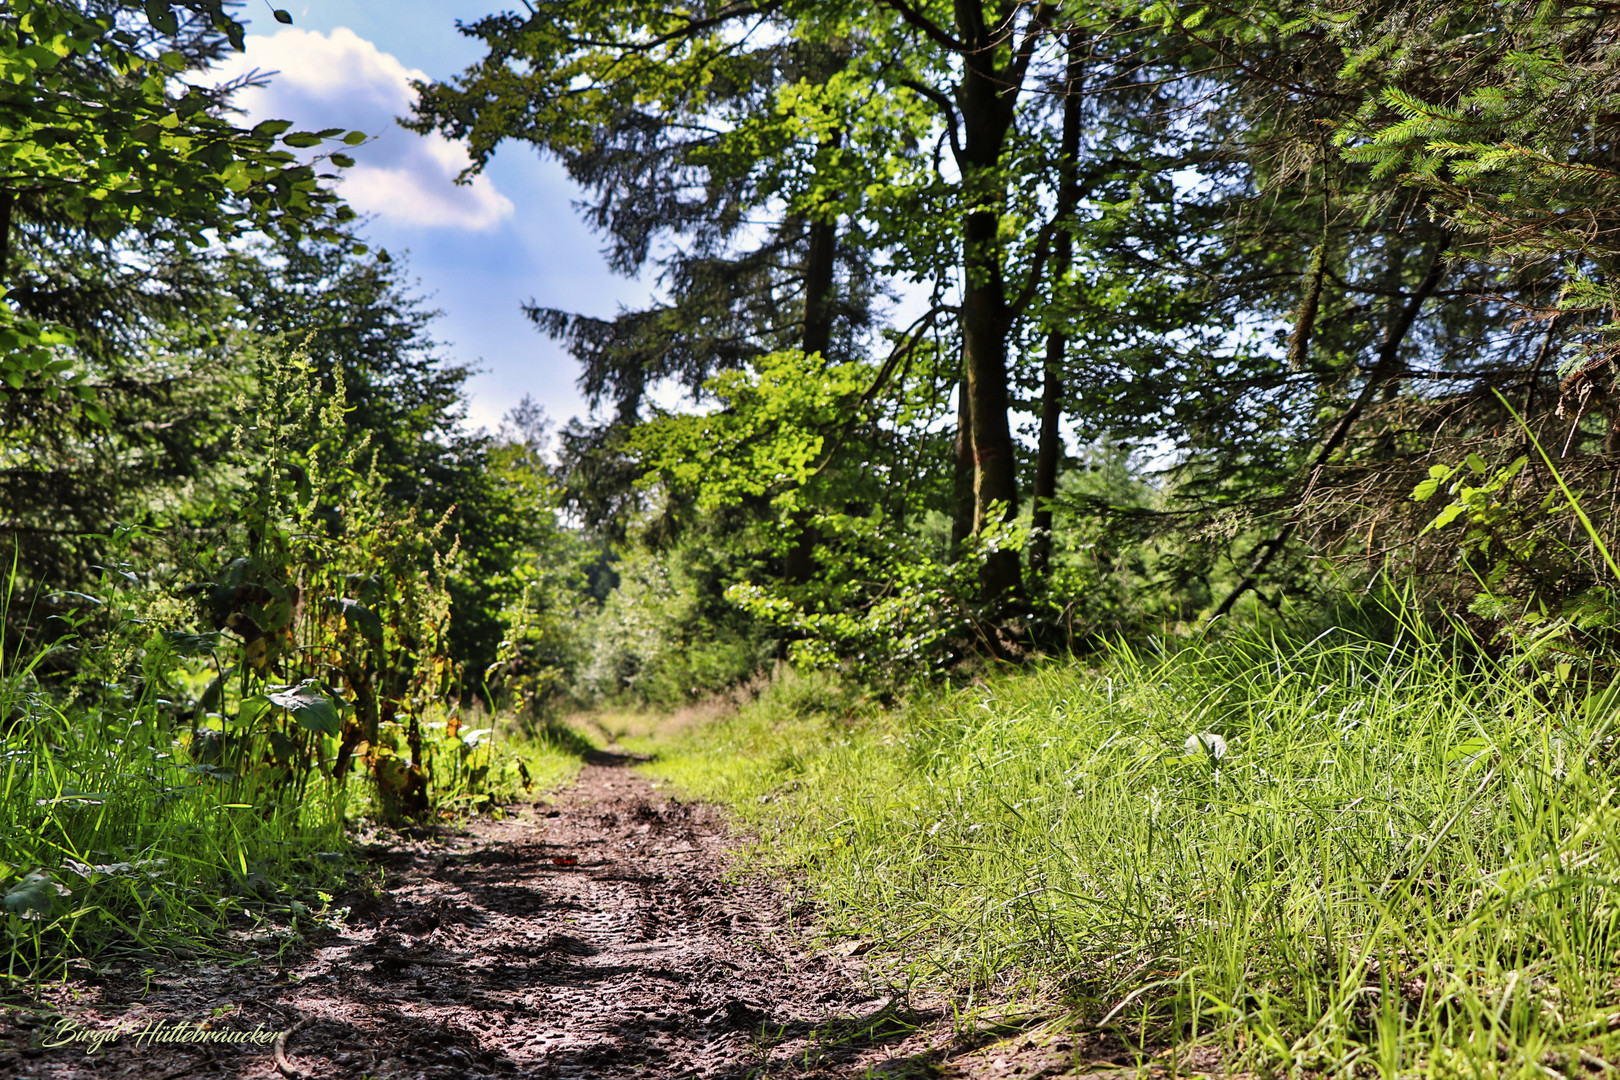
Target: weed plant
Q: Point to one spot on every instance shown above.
(1349, 854)
(113, 838)
(120, 833)
(183, 751)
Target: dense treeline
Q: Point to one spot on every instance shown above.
(942, 281)
(1007, 329)
(136, 337)
(930, 265)
(255, 555)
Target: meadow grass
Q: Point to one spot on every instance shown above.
(1393, 860)
(111, 836)
(116, 839)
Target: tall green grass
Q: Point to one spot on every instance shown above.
(1393, 859)
(124, 832)
(119, 834)
(111, 834)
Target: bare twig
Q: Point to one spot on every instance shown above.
(279, 1051)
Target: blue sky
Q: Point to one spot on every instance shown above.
(478, 251)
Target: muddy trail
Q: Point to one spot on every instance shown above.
(597, 937)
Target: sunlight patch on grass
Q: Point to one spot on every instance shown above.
(1340, 855)
(551, 755)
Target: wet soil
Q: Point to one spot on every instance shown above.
(597, 937)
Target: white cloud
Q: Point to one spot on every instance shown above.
(343, 80)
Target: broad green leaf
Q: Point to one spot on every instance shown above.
(186, 644)
(35, 896)
(271, 128)
(282, 747)
(1425, 489)
(251, 710)
(162, 18)
(1468, 748)
(313, 710)
(358, 616)
(1469, 752)
(1446, 517)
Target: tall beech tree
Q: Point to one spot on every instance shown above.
(1049, 445)
(978, 95)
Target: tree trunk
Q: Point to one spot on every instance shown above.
(986, 106)
(818, 287)
(962, 488)
(6, 200)
(1049, 449)
(799, 564)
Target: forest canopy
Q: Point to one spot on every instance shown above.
(997, 330)
(1116, 501)
(931, 268)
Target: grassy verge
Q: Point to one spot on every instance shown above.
(112, 836)
(479, 763)
(537, 760)
(121, 834)
(1339, 856)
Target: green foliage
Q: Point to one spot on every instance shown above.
(1535, 568)
(1117, 571)
(193, 764)
(334, 595)
(546, 578)
(664, 638)
(358, 323)
(819, 550)
(766, 436)
(120, 829)
(318, 611)
(103, 134)
(1315, 855)
(886, 609)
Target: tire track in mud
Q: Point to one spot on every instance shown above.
(600, 939)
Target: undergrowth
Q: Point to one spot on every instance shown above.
(184, 754)
(121, 835)
(114, 836)
(1347, 854)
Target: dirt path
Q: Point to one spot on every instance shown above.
(596, 938)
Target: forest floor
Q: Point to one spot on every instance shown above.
(599, 936)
